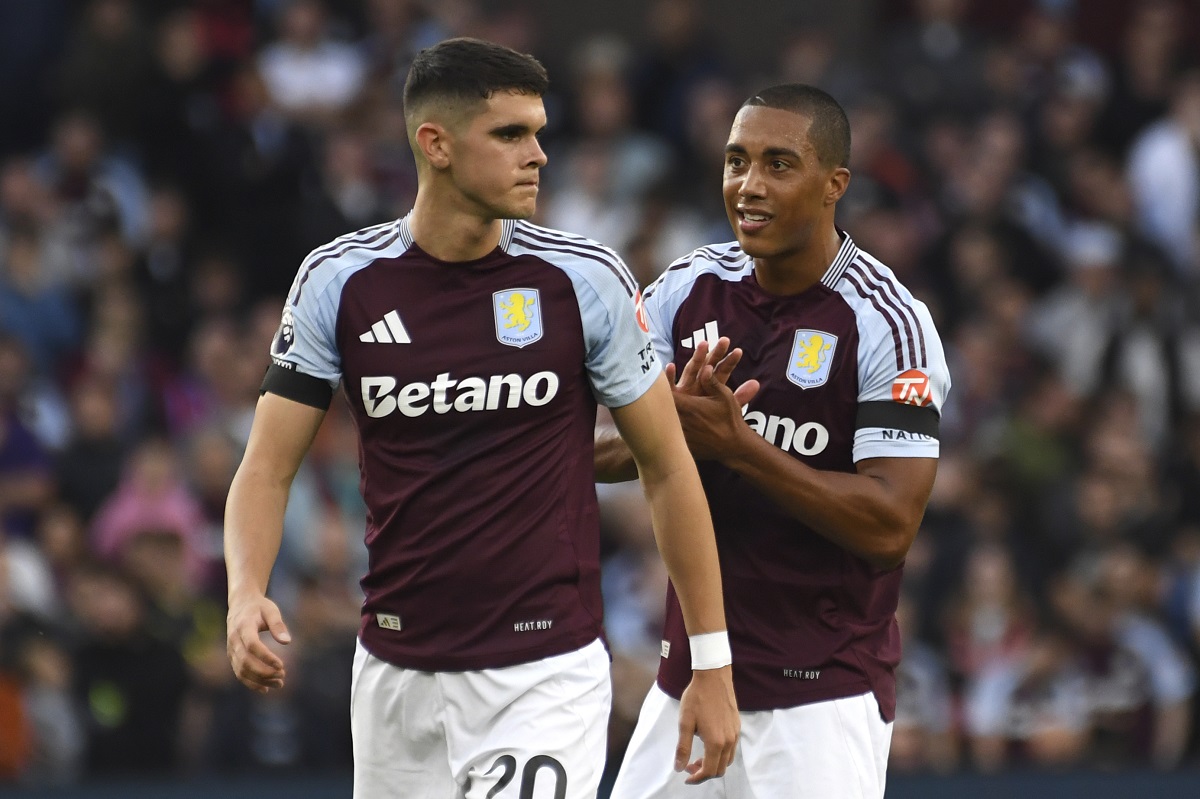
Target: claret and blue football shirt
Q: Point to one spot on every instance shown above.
(852, 368)
(474, 388)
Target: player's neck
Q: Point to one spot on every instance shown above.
(449, 233)
(800, 270)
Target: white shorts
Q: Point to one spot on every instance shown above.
(537, 730)
(836, 749)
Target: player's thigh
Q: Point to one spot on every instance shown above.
(397, 723)
(648, 768)
(536, 731)
(833, 748)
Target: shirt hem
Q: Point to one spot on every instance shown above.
(442, 663)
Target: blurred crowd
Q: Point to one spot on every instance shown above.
(1030, 169)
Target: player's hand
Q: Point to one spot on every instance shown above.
(720, 356)
(708, 709)
(256, 666)
(712, 418)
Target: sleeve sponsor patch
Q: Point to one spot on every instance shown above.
(912, 387)
(640, 312)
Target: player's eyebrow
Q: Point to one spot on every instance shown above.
(784, 151)
(513, 129)
(770, 152)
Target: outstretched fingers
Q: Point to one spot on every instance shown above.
(726, 364)
(691, 369)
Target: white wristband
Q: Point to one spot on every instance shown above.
(710, 650)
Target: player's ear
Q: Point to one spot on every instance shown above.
(433, 141)
(839, 181)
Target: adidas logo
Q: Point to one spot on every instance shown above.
(707, 333)
(388, 330)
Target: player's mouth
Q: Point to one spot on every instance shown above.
(752, 220)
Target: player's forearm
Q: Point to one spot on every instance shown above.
(613, 460)
(253, 529)
(683, 530)
(855, 511)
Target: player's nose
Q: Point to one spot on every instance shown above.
(753, 183)
(537, 156)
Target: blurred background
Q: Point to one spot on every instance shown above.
(1031, 169)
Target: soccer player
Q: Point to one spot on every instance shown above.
(473, 347)
(817, 468)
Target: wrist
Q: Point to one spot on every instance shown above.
(710, 650)
(242, 593)
(743, 445)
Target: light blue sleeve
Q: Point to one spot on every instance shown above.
(661, 307)
(306, 341)
(880, 380)
(621, 359)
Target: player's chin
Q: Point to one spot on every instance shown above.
(521, 209)
(756, 246)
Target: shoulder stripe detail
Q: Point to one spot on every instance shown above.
(732, 260)
(550, 236)
(893, 292)
(726, 262)
(579, 251)
(728, 250)
(373, 244)
(349, 238)
(903, 313)
(853, 278)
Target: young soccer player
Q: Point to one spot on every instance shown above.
(472, 347)
(817, 469)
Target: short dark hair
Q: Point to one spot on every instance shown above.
(829, 132)
(471, 69)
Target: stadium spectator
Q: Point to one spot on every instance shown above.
(42, 315)
(923, 735)
(992, 619)
(106, 69)
(1164, 172)
(309, 75)
(1032, 710)
(152, 497)
(1138, 684)
(607, 168)
(130, 684)
(26, 471)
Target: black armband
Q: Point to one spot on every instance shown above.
(296, 386)
(898, 416)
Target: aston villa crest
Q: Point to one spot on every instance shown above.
(812, 358)
(518, 316)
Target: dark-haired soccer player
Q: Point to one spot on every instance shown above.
(472, 348)
(817, 469)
